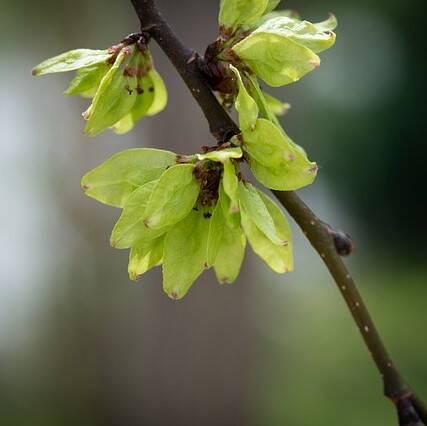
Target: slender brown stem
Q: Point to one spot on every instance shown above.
(329, 243)
(320, 236)
(186, 63)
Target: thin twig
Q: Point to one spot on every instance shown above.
(329, 243)
(186, 63)
(321, 238)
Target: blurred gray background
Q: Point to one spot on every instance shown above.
(81, 344)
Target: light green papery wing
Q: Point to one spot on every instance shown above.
(230, 182)
(229, 210)
(130, 229)
(328, 25)
(278, 258)
(143, 103)
(87, 80)
(114, 181)
(71, 61)
(143, 257)
(230, 255)
(315, 37)
(275, 160)
(245, 104)
(276, 106)
(160, 93)
(226, 247)
(288, 13)
(173, 198)
(221, 156)
(276, 59)
(185, 254)
(269, 106)
(259, 97)
(282, 226)
(115, 97)
(216, 229)
(267, 144)
(254, 207)
(280, 180)
(236, 13)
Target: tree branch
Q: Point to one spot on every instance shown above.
(186, 62)
(329, 243)
(409, 406)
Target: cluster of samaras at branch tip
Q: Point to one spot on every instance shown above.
(121, 81)
(189, 213)
(275, 45)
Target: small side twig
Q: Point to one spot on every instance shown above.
(328, 242)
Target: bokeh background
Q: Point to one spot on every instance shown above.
(81, 344)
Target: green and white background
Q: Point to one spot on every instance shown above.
(80, 344)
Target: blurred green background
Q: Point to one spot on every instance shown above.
(80, 344)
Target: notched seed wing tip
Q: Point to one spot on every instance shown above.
(135, 277)
(313, 170)
(174, 296)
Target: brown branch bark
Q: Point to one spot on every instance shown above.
(329, 243)
(410, 408)
(186, 63)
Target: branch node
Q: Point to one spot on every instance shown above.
(192, 58)
(342, 241)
